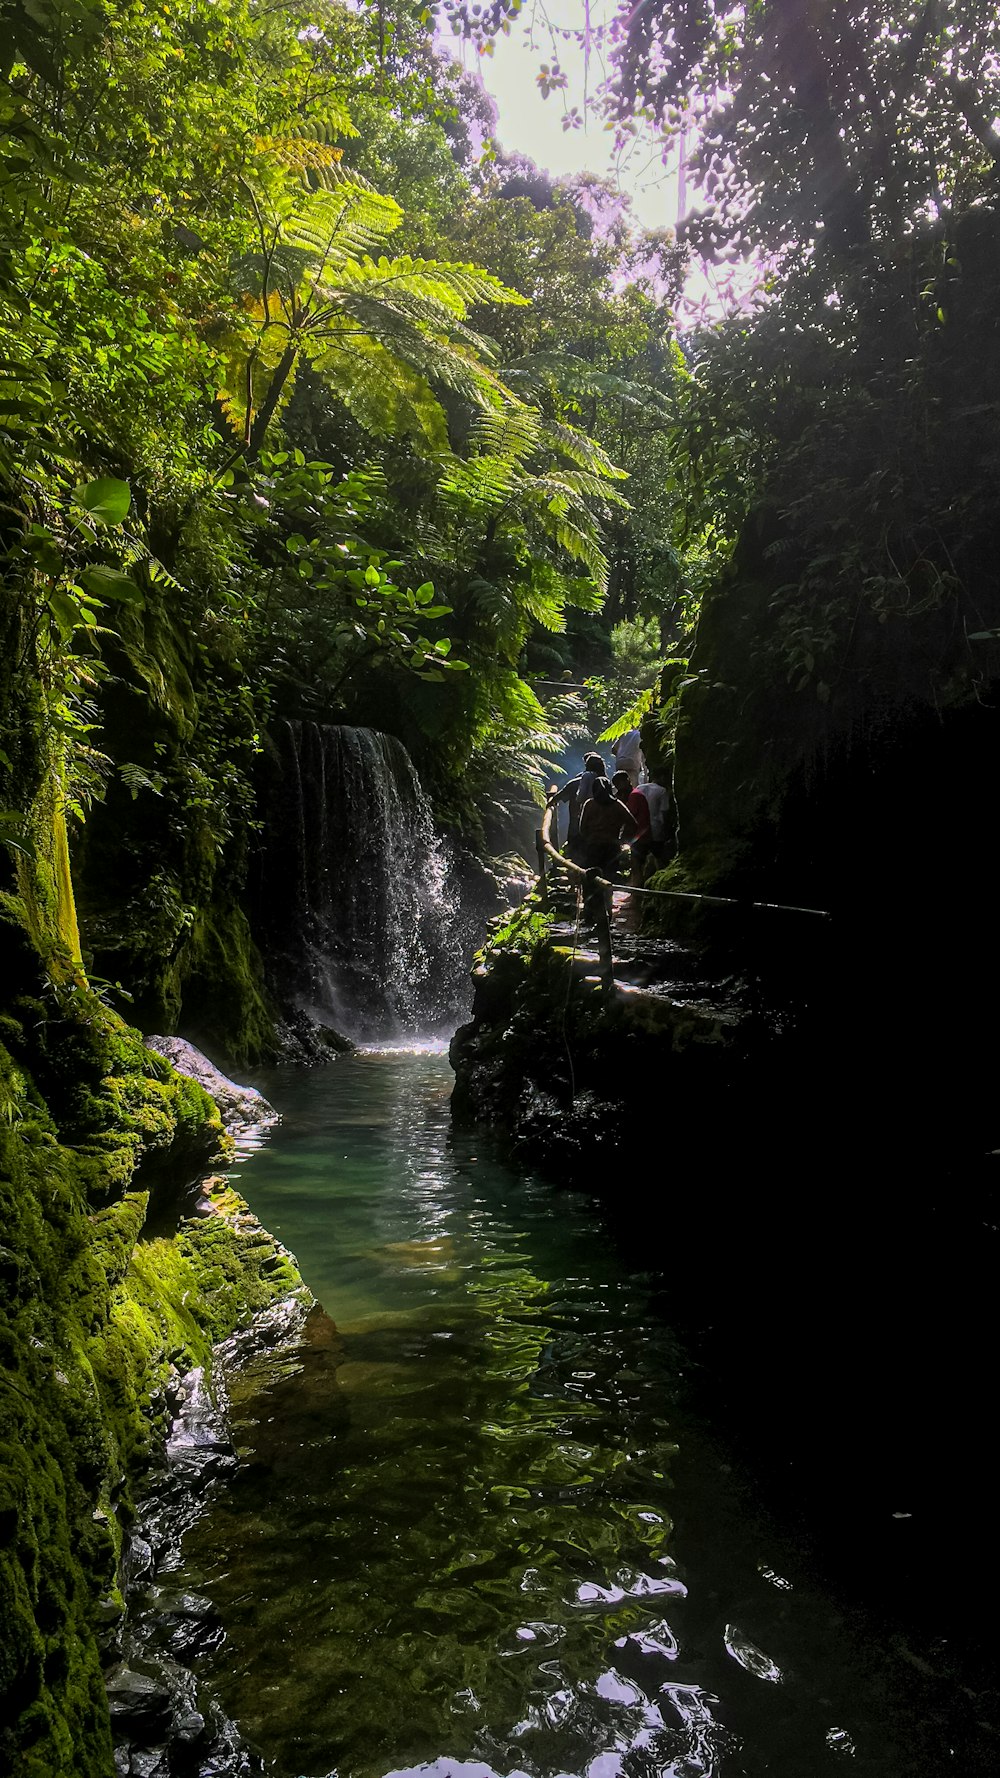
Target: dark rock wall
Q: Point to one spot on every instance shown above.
(160, 864)
(824, 1232)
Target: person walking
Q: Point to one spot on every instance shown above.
(658, 798)
(628, 755)
(604, 823)
(638, 806)
(575, 793)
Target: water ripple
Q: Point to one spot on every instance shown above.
(450, 1548)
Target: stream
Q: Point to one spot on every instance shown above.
(483, 1522)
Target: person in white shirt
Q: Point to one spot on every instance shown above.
(628, 754)
(658, 798)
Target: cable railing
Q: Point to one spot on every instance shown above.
(596, 891)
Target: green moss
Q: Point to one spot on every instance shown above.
(49, 1574)
(218, 980)
(45, 901)
(98, 1138)
(160, 871)
(96, 1317)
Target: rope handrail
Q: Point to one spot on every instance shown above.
(735, 901)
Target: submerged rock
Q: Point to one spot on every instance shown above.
(242, 1109)
(165, 1718)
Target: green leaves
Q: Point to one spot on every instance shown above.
(110, 583)
(340, 605)
(108, 501)
(212, 271)
(385, 334)
(15, 832)
(69, 614)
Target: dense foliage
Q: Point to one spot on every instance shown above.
(316, 403)
(854, 151)
(310, 404)
(846, 156)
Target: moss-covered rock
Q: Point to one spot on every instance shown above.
(97, 1315)
(106, 1285)
(103, 1293)
(557, 1065)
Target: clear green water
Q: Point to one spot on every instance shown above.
(476, 1528)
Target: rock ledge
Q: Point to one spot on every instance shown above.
(242, 1109)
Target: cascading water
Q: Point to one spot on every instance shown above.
(359, 909)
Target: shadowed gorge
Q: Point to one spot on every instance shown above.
(369, 495)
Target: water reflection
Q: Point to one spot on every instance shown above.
(450, 1547)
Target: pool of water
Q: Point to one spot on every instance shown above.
(481, 1522)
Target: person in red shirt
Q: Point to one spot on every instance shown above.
(638, 807)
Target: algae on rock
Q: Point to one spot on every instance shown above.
(96, 1132)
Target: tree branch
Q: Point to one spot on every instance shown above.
(966, 96)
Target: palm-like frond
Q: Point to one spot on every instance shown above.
(386, 333)
(336, 228)
(385, 395)
(514, 473)
(584, 451)
(521, 742)
(311, 148)
(584, 382)
(454, 288)
(509, 436)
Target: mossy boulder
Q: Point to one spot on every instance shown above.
(106, 1286)
(96, 1135)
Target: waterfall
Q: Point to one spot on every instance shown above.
(358, 909)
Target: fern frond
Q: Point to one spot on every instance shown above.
(481, 481)
(334, 123)
(545, 607)
(513, 433)
(386, 396)
(578, 537)
(584, 451)
(632, 717)
(585, 595)
(300, 153)
(450, 288)
(342, 226)
(576, 485)
(581, 381)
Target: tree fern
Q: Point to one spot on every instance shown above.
(513, 474)
(320, 288)
(580, 381)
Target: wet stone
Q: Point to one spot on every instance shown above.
(151, 1763)
(165, 1722)
(137, 1562)
(141, 1708)
(182, 1624)
(242, 1109)
(189, 1726)
(203, 1463)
